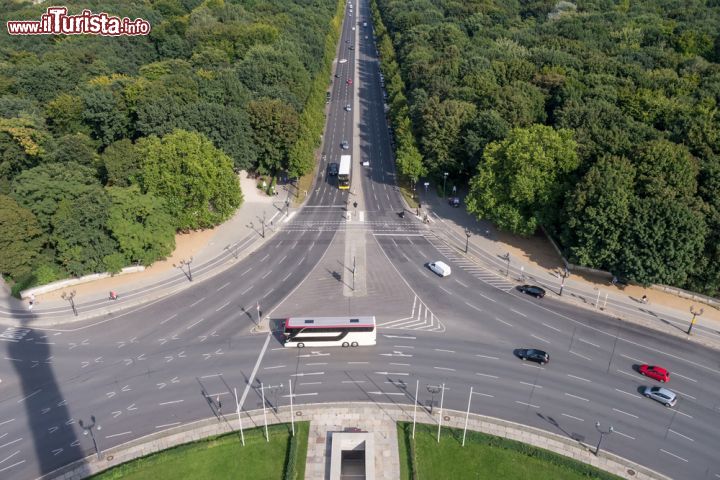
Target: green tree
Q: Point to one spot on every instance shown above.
(80, 235)
(598, 212)
(76, 147)
(21, 238)
(141, 224)
(443, 123)
(520, 179)
(275, 129)
(195, 179)
(663, 242)
(65, 114)
(121, 163)
(42, 188)
(106, 113)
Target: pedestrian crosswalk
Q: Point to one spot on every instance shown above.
(376, 226)
(472, 268)
(421, 318)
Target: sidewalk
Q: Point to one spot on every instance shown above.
(210, 250)
(377, 418)
(534, 260)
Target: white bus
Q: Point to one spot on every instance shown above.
(344, 172)
(329, 331)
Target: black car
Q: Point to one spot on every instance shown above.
(533, 355)
(333, 169)
(533, 290)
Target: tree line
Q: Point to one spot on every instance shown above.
(597, 120)
(110, 145)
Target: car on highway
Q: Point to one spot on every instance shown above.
(533, 290)
(348, 107)
(454, 202)
(655, 372)
(345, 145)
(662, 395)
(342, 60)
(533, 354)
(333, 169)
(349, 81)
(440, 268)
(351, 47)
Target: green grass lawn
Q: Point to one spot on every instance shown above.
(483, 457)
(221, 457)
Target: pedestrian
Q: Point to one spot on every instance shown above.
(219, 403)
(522, 273)
(644, 299)
(454, 189)
(614, 280)
(113, 295)
(31, 301)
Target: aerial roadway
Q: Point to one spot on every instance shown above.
(349, 252)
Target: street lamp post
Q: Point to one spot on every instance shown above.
(564, 276)
(507, 271)
(445, 175)
(70, 297)
(432, 390)
(695, 313)
(602, 434)
(89, 428)
(467, 239)
(263, 225)
(185, 263)
(287, 208)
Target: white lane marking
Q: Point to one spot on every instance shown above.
(195, 303)
(461, 283)
(6, 421)
(683, 376)
(358, 363)
(171, 402)
(309, 383)
(527, 404)
(400, 364)
(579, 378)
(246, 290)
(31, 395)
(13, 465)
(473, 306)
(535, 385)
(486, 375)
(552, 328)
(316, 363)
(246, 271)
(575, 396)
(682, 413)
(441, 350)
(487, 298)
(265, 276)
(624, 434)
(626, 373)
(446, 291)
(589, 343)
(287, 276)
(168, 319)
(220, 308)
(118, 434)
(300, 395)
(503, 321)
(540, 338)
(264, 258)
(581, 356)
(483, 394)
(400, 336)
(168, 425)
(631, 358)
(574, 418)
(673, 455)
(402, 346)
(281, 260)
(188, 328)
(684, 394)
(9, 457)
(634, 395)
(487, 356)
(307, 374)
(18, 439)
(209, 376)
(387, 393)
(680, 435)
(444, 368)
(219, 288)
(274, 366)
(255, 369)
(521, 314)
(353, 381)
(625, 413)
(394, 373)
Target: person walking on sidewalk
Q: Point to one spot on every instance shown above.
(31, 302)
(644, 299)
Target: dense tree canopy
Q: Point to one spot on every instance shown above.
(636, 83)
(110, 144)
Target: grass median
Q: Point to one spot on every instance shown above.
(483, 457)
(224, 457)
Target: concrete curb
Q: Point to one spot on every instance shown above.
(332, 414)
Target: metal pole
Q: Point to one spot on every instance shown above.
(597, 301)
(445, 175)
(442, 397)
(467, 415)
(292, 415)
(417, 384)
(263, 225)
(695, 313)
(237, 410)
(605, 302)
(262, 390)
(507, 272)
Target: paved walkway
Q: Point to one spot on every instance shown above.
(378, 418)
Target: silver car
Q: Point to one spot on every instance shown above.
(662, 395)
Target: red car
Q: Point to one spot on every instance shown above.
(349, 81)
(655, 372)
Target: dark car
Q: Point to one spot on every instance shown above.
(345, 145)
(333, 169)
(533, 290)
(454, 201)
(533, 355)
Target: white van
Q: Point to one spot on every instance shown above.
(441, 268)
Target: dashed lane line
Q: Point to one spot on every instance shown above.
(168, 425)
(673, 455)
(680, 435)
(625, 413)
(574, 418)
(575, 396)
